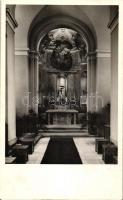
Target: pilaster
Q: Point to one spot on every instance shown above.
(11, 24)
(91, 82)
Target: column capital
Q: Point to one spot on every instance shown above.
(103, 53)
(34, 55)
(21, 51)
(91, 56)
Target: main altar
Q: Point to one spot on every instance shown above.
(62, 78)
(62, 116)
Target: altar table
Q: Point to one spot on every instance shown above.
(61, 116)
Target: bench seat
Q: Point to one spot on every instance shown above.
(29, 142)
(10, 160)
(99, 142)
(110, 153)
(21, 153)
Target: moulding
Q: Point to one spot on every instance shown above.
(114, 22)
(103, 53)
(21, 51)
(11, 20)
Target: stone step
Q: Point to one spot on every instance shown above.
(72, 126)
(65, 130)
(73, 134)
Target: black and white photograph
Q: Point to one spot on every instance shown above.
(61, 84)
(61, 99)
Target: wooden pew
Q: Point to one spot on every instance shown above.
(99, 142)
(21, 153)
(110, 153)
(29, 142)
(10, 160)
(21, 147)
(30, 139)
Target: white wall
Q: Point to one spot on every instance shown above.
(99, 17)
(10, 104)
(24, 15)
(22, 84)
(114, 85)
(103, 81)
(95, 17)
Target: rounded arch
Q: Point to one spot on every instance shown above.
(39, 30)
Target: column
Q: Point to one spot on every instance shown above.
(53, 83)
(11, 24)
(77, 85)
(34, 80)
(40, 88)
(91, 82)
(74, 118)
(70, 86)
(48, 118)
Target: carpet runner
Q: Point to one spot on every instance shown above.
(61, 151)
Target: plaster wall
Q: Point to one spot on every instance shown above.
(10, 62)
(114, 85)
(22, 84)
(103, 81)
(24, 15)
(95, 17)
(99, 17)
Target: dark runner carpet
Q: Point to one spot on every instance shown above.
(61, 151)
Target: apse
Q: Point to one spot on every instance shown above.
(63, 59)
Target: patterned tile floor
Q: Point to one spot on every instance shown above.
(85, 147)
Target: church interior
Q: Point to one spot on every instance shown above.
(61, 84)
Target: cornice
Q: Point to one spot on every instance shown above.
(10, 19)
(99, 53)
(103, 53)
(114, 22)
(21, 51)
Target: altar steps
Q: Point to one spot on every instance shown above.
(74, 134)
(64, 130)
(64, 126)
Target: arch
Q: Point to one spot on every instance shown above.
(38, 31)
